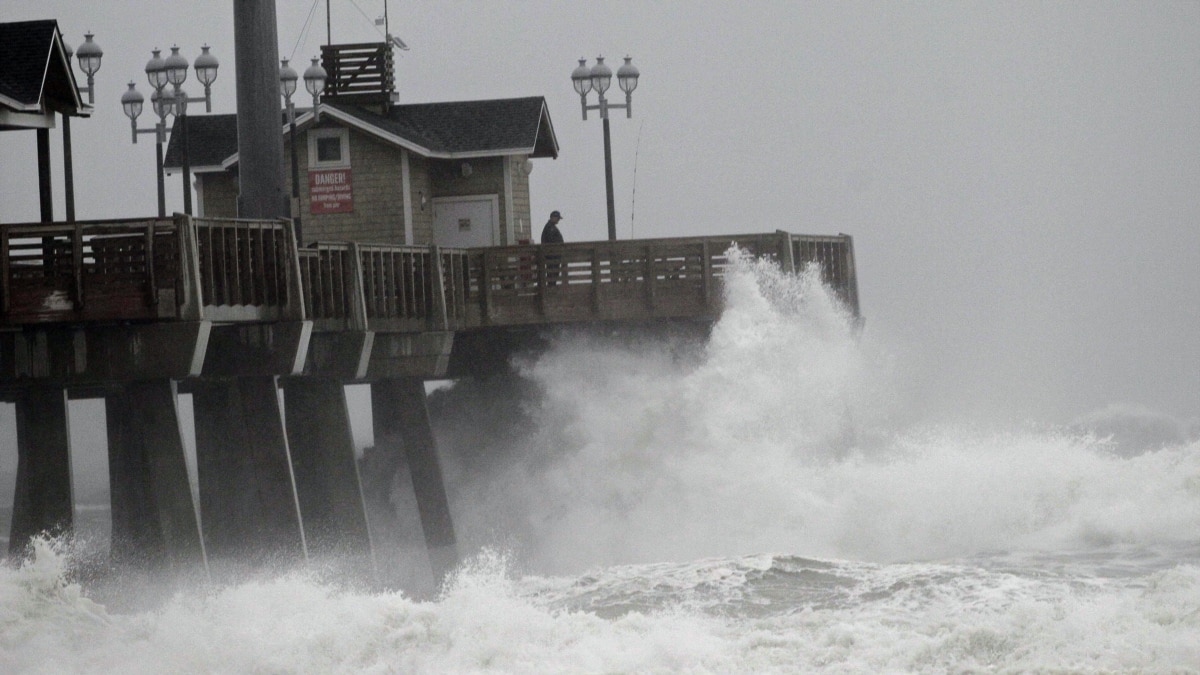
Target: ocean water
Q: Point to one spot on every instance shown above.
(749, 504)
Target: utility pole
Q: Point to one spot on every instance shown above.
(260, 138)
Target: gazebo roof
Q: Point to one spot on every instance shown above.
(36, 80)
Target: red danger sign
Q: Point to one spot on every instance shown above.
(330, 191)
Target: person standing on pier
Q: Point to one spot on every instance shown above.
(551, 235)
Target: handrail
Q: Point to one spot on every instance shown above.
(835, 256)
(635, 279)
(331, 282)
(246, 270)
(90, 271)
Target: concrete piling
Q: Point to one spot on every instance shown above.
(401, 425)
(323, 462)
(248, 502)
(154, 517)
(44, 499)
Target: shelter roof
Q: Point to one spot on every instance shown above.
(35, 75)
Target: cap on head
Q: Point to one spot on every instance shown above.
(555, 214)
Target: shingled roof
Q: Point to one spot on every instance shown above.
(211, 140)
(516, 126)
(501, 126)
(35, 72)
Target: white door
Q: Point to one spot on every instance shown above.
(464, 222)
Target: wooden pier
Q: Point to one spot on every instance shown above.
(234, 312)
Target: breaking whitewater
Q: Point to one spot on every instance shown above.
(742, 505)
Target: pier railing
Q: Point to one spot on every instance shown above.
(637, 279)
(387, 288)
(243, 270)
(329, 278)
(248, 269)
(148, 269)
(835, 255)
(92, 271)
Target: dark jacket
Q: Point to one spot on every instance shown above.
(550, 234)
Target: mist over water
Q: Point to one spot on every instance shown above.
(748, 503)
(777, 436)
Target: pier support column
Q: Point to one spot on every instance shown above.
(44, 498)
(248, 504)
(327, 480)
(154, 519)
(401, 420)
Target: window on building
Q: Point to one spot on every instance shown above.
(328, 148)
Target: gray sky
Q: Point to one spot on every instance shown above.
(1022, 179)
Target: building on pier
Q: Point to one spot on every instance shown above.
(442, 173)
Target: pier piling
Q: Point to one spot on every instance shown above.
(401, 423)
(247, 492)
(327, 480)
(44, 498)
(154, 518)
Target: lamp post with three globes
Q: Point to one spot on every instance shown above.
(599, 78)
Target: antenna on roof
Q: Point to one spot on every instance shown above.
(395, 41)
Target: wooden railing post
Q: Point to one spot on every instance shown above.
(356, 290)
(851, 276)
(441, 321)
(648, 276)
(787, 261)
(485, 286)
(5, 269)
(77, 265)
(596, 280)
(454, 268)
(294, 307)
(151, 282)
(191, 300)
(540, 261)
(233, 291)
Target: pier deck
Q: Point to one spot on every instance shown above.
(357, 303)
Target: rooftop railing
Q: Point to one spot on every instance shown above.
(359, 73)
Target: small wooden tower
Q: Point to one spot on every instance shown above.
(360, 74)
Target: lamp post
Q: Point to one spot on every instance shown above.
(599, 77)
(287, 84)
(314, 81)
(88, 56)
(174, 101)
